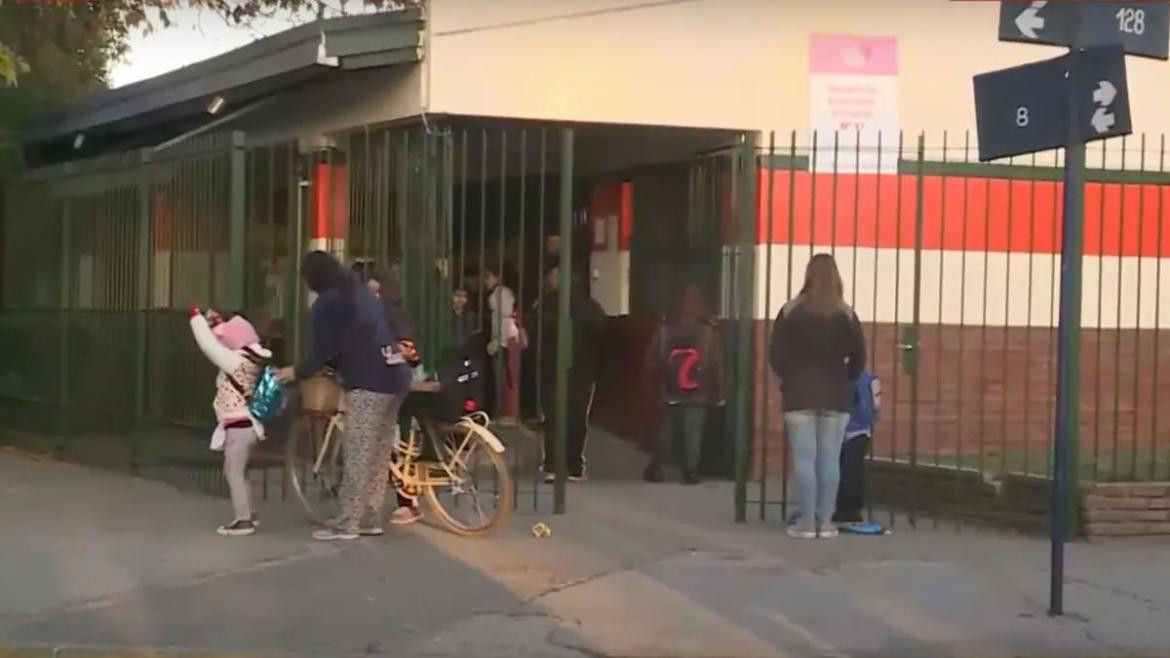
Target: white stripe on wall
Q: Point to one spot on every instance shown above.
(995, 289)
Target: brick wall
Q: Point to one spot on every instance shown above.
(1016, 501)
(986, 397)
(1118, 509)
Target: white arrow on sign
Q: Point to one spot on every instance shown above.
(1105, 93)
(1030, 19)
(1102, 120)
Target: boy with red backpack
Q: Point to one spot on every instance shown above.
(685, 360)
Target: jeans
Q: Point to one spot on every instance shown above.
(851, 494)
(689, 420)
(815, 438)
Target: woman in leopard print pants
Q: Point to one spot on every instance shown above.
(349, 328)
(369, 444)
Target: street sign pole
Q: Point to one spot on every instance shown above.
(1099, 36)
(1068, 370)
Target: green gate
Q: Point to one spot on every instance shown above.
(104, 257)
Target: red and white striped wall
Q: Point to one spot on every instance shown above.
(988, 249)
(330, 220)
(611, 215)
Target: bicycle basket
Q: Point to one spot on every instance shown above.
(320, 394)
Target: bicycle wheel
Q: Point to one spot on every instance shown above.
(314, 465)
(470, 488)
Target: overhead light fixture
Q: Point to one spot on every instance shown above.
(79, 140)
(216, 105)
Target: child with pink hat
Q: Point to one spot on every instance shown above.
(234, 347)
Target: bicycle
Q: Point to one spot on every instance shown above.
(461, 455)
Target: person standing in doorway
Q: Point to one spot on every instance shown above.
(818, 351)
(588, 328)
(685, 361)
(506, 342)
(348, 326)
(465, 323)
(552, 250)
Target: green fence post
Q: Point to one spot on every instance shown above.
(745, 273)
(142, 304)
(911, 347)
(294, 315)
(237, 227)
(63, 321)
(564, 328)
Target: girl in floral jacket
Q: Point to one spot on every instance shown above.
(234, 347)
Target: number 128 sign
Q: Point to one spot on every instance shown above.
(1141, 28)
(1131, 20)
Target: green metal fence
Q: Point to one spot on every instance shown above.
(953, 267)
(104, 258)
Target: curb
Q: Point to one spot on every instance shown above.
(69, 652)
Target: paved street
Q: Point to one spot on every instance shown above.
(93, 561)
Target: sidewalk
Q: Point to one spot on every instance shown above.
(92, 561)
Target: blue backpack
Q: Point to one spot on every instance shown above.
(867, 402)
(267, 400)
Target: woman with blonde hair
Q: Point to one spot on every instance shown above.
(817, 350)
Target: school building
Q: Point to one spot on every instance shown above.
(719, 142)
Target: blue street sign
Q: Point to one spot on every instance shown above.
(1024, 109)
(1141, 27)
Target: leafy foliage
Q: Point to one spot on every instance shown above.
(53, 51)
(11, 65)
(94, 34)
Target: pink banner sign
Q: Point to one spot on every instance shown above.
(839, 54)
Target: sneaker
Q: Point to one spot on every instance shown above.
(334, 534)
(372, 531)
(577, 476)
(406, 515)
(551, 478)
(828, 532)
(238, 528)
(798, 533)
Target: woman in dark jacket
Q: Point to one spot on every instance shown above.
(349, 327)
(385, 287)
(817, 350)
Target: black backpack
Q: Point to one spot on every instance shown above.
(461, 380)
(684, 354)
